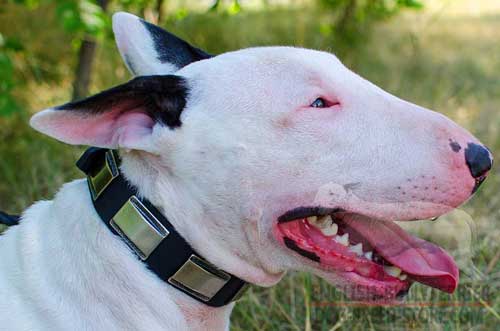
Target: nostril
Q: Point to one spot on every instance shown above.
(478, 159)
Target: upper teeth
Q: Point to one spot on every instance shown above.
(325, 224)
(312, 219)
(343, 239)
(330, 230)
(318, 222)
(358, 249)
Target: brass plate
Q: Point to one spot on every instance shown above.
(199, 278)
(100, 180)
(138, 226)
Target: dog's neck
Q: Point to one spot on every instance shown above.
(87, 268)
(97, 267)
(216, 231)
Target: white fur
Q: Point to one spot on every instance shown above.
(136, 47)
(249, 149)
(62, 269)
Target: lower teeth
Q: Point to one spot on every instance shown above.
(329, 228)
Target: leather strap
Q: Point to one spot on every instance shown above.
(173, 259)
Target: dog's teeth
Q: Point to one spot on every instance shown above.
(343, 239)
(369, 255)
(403, 276)
(324, 221)
(393, 271)
(358, 249)
(320, 221)
(330, 230)
(312, 219)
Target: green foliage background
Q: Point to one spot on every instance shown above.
(443, 55)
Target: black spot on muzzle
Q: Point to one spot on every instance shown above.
(455, 146)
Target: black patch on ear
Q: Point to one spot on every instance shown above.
(293, 246)
(172, 49)
(162, 97)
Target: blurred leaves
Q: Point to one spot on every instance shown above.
(77, 18)
(352, 19)
(349, 23)
(180, 14)
(85, 16)
(231, 7)
(234, 8)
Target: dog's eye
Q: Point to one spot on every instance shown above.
(319, 103)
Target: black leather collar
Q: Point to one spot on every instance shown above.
(151, 236)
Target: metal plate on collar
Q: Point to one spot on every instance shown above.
(104, 176)
(240, 292)
(199, 278)
(138, 227)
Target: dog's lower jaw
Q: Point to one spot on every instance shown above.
(260, 272)
(66, 270)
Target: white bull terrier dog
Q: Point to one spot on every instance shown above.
(263, 160)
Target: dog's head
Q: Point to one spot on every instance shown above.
(277, 158)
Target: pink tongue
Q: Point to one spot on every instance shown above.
(423, 261)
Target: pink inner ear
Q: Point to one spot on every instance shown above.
(111, 129)
(131, 128)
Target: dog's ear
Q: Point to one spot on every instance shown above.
(121, 117)
(149, 50)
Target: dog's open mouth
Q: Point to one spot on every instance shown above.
(377, 256)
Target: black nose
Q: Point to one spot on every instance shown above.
(478, 159)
